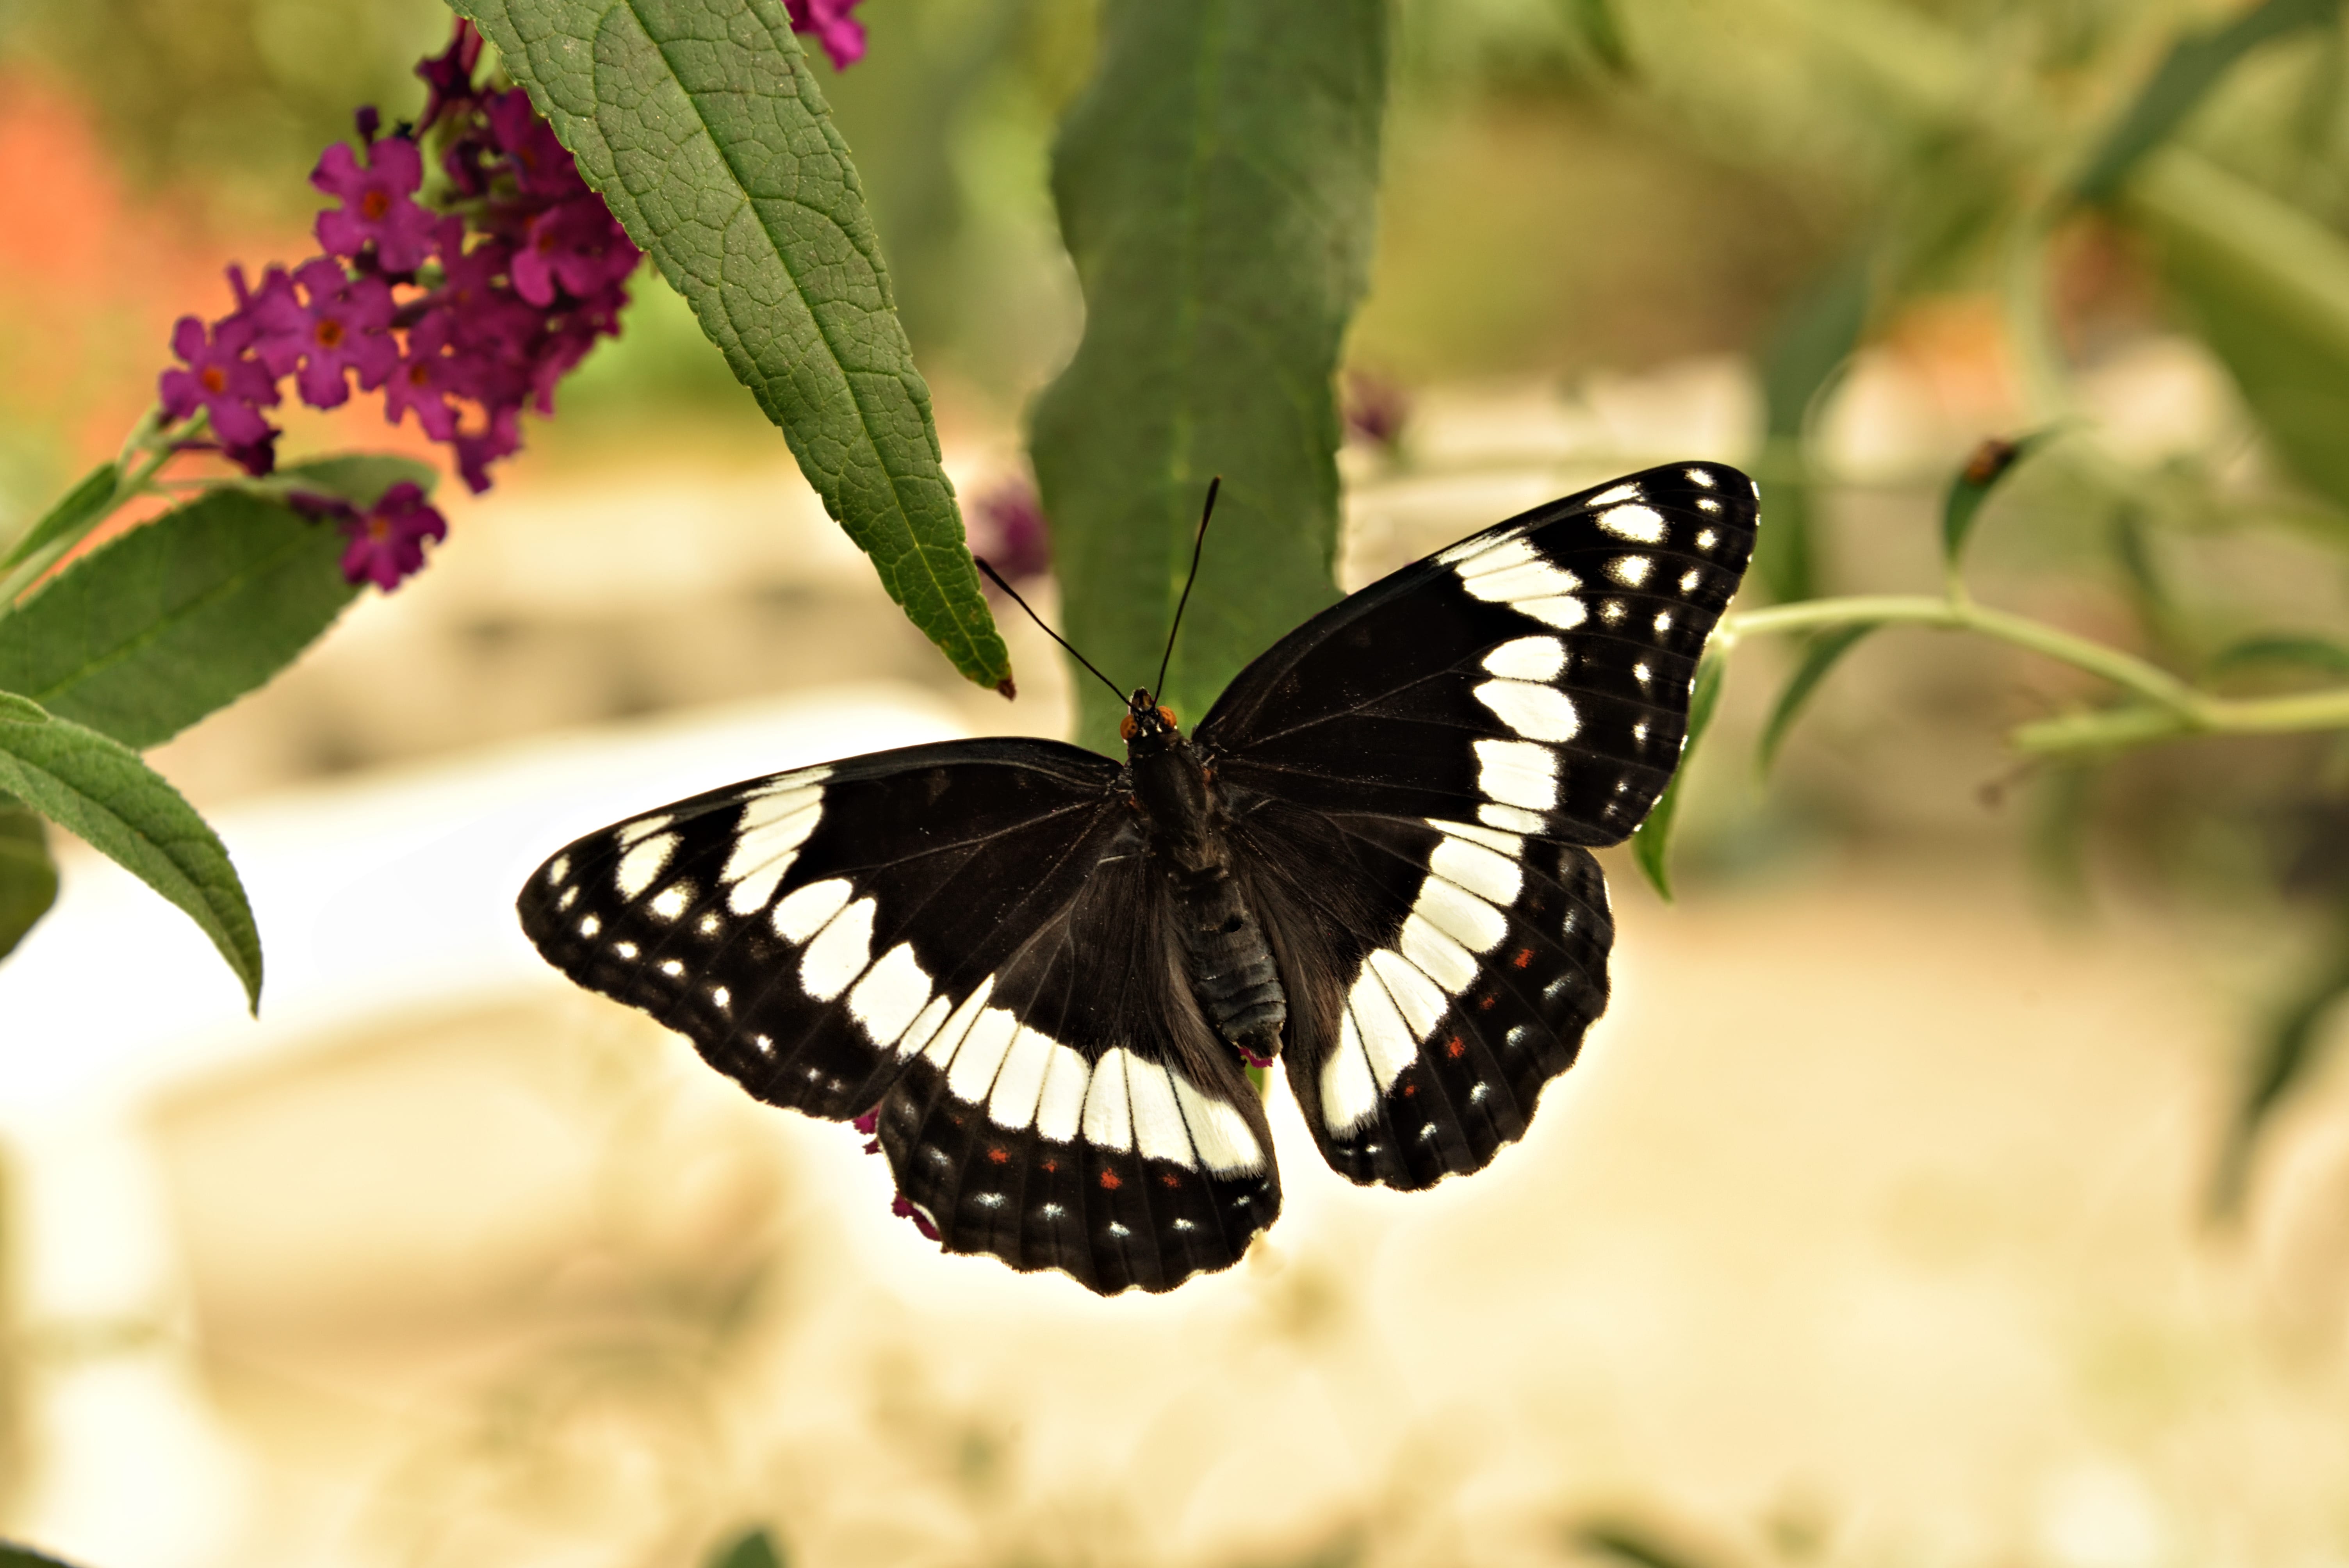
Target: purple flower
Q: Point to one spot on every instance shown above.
(905, 1210)
(344, 326)
(1376, 409)
(578, 245)
(378, 204)
(542, 166)
(449, 75)
(220, 378)
(387, 539)
(1006, 527)
(427, 376)
(842, 37)
(476, 452)
(255, 458)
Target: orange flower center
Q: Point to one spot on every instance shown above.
(375, 204)
(329, 332)
(214, 378)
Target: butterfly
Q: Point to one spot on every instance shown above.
(1038, 976)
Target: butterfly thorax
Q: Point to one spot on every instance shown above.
(1228, 961)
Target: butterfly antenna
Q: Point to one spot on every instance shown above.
(1198, 543)
(997, 578)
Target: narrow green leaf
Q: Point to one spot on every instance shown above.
(2285, 648)
(702, 126)
(2269, 286)
(1216, 186)
(1819, 655)
(28, 877)
(1634, 1544)
(14, 1556)
(1652, 841)
(82, 505)
(2287, 1051)
(359, 478)
(1984, 472)
(98, 790)
(2194, 65)
(754, 1548)
(1810, 343)
(151, 631)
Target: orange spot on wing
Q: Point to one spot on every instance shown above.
(1110, 1182)
(1454, 1049)
(999, 1156)
(1168, 1179)
(1525, 956)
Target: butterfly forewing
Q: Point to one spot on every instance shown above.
(1534, 677)
(940, 932)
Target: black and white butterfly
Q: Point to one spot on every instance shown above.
(1045, 971)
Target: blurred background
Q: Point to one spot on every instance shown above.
(1904, 1210)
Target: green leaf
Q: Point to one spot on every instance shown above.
(14, 1556)
(754, 1548)
(2285, 648)
(151, 631)
(1217, 185)
(2288, 1051)
(702, 126)
(97, 790)
(28, 877)
(2269, 285)
(1819, 655)
(1651, 841)
(1984, 472)
(1809, 345)
(1633, 1543)
(2194, 65)
(82, 505)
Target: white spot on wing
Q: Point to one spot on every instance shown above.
(1516, 773)
(1221, 1134)
(891, 996)
(1158, 1130)
(589, 925)
(767, 840)
(1417, 997)
(672, 901)
(918, 1034)
(1431, 949)
(1630, 570)
(1349, 1098)
(981, 1055)
(1690, 579)
(1480, 867)
(1563, 611)
(570, 896)
(1535, 712)
(1386, 1039)
(1698, 477)
(810, 909)
(672, 969)
(642, 863)
(1509, 846)
(1020, 1083)
(941, 1051)
(1061, 1103)
(1706, 539)
(1527, 659)
(558, 868)
(840, 952)
(1623, 492)
(1643, 523)
(1510, 819)
(1108, 1120)
(631, 834)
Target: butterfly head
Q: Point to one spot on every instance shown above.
(1146, 721)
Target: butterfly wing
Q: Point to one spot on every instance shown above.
(964, 937)
(1414, 775)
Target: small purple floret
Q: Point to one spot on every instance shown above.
(387, 539)
(1007, 526)
(220, 378)
(345, 325)
(576, 245)
(378, 205)
(905, 1210)
(843, 38)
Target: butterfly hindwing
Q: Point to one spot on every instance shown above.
(941, 932)
(1534, 677)
(1415, 772)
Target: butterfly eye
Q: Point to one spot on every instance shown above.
(1125, 728)
(1167, 718)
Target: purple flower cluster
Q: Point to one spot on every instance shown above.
(1006, 528)
(464, 311)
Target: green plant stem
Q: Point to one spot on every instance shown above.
(151, 454)
(2170, 707)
